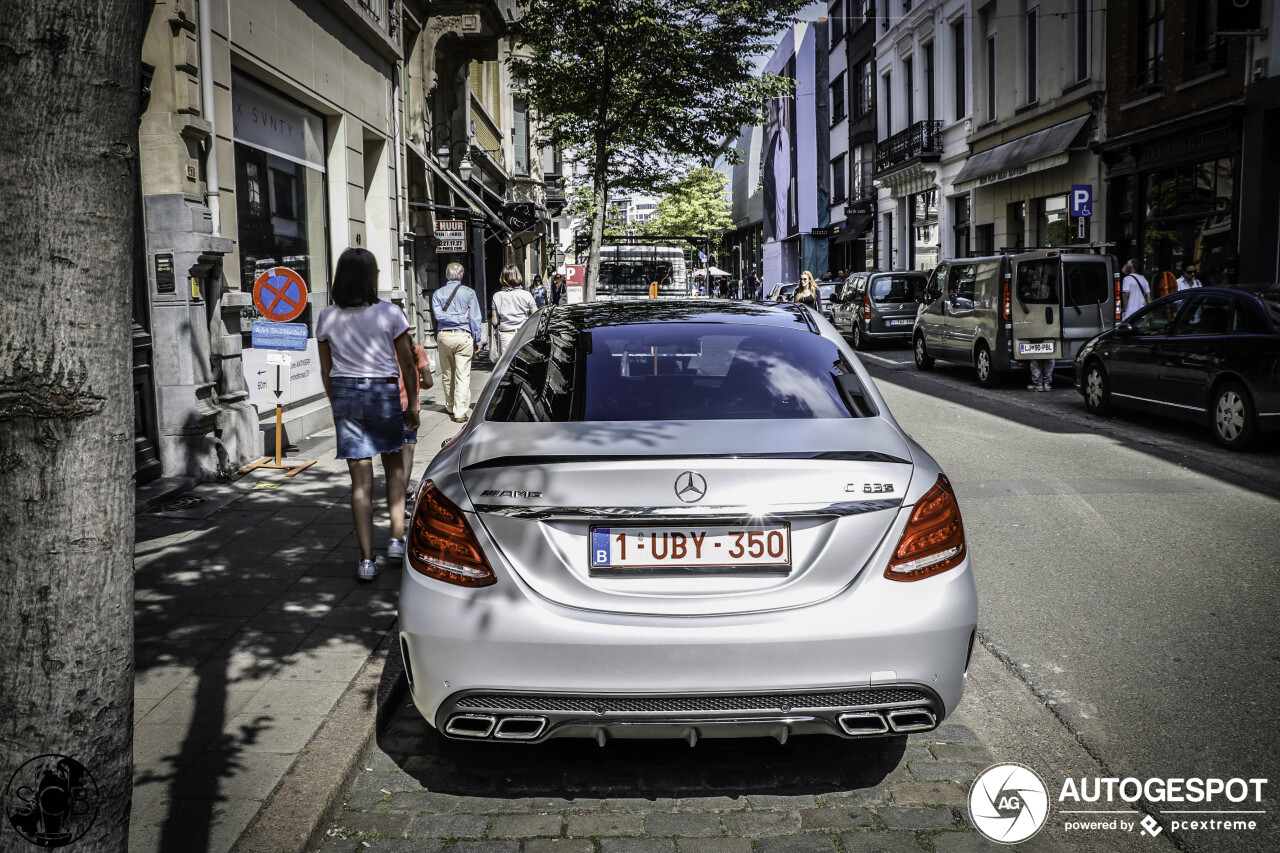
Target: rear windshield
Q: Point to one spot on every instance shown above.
(679, 371)
(1088, 283)
(897, 288)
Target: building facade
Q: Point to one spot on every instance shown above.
(853, 246)
(1175, 122)
(1039, 85)
(278, 133)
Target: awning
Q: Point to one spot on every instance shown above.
(1034, 152)
(854, 227)
(463, 190)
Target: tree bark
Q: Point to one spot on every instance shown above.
(69, 86)
(601, 198)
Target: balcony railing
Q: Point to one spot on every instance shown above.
(920, 141)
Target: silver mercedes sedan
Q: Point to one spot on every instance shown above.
(684, 520)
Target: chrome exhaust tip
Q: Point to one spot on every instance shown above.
(520, 728)
(470, 725)
(912, 720)
(861, 723)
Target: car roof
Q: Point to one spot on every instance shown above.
(594, 315)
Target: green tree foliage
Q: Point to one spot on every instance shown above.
(636, 90)
(696, 206)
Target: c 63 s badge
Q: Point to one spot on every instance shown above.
(509, 493)
(871, 488)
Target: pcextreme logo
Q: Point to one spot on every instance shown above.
(1009, 803)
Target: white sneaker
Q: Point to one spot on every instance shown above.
(367, 571)
(395, 549)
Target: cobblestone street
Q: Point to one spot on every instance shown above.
(417, 792)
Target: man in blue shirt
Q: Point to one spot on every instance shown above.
(458, 324)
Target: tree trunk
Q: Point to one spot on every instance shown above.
(601, 198)
(69, 83)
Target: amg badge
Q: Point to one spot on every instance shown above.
(509, 493)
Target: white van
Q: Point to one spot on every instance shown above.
(998, 312)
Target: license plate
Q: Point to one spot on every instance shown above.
(909, 321)
(658, 547)
(1035, 349)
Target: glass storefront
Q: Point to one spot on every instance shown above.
(1188, 218)
(923, 238)
(280, 192)
(1056, 227)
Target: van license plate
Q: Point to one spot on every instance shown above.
(910, 321)
(659, 547)
(1035, 349)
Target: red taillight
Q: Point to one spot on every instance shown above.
(441, 544)
(1119, 296)
(934, 539)
(1006, 308)
(866, 307)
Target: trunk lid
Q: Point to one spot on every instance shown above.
(539, 489)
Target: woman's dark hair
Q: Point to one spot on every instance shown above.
(355, 281)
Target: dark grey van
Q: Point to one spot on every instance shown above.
(999, 312)
(878, 306)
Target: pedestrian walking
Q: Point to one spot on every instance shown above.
(1041, 290)
(807, 293)
(363, 344)
(512, 305)
(458, 336)
(1189, 279)
(539, 292)
(422, 365)
(557, 289)
(1135, 289)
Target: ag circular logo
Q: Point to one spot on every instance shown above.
(1009, 803)
(52, 800)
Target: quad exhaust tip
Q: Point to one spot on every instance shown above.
(519, 728)
(470, 725)
(860, 723)
(912, 720)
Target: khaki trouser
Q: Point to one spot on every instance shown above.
(456, 347)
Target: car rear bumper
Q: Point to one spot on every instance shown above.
(502, 652)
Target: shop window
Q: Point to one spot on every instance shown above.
(1016, 225)
(1054, 225)
(923, 238)
(960, 220)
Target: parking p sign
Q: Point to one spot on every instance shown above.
(1081, 200)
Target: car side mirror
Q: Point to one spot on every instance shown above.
(1124, 330)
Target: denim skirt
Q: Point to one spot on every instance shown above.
(367, 417)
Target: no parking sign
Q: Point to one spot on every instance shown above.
(279, 294)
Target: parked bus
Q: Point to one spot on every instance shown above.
(626, 270)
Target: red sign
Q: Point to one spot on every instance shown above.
(279, 294)
(575, 276)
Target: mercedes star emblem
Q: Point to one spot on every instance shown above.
(690, 487)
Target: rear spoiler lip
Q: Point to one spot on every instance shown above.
(563, 459)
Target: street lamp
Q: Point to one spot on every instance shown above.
(445, 155)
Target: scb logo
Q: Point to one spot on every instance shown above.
(1009, 803)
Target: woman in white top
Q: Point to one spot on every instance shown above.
(364, 348)
(512, 305)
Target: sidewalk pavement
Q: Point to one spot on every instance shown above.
(252, 631)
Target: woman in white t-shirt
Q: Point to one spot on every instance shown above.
(512, 305)
(364, 348)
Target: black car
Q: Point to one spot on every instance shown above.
(1209, 354)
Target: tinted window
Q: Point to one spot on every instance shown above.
(896, 289)
(1210, 314)
(679, 371)
(1038, 282)
(1157, 318)
(1088, 283)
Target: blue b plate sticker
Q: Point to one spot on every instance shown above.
(600, 546)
